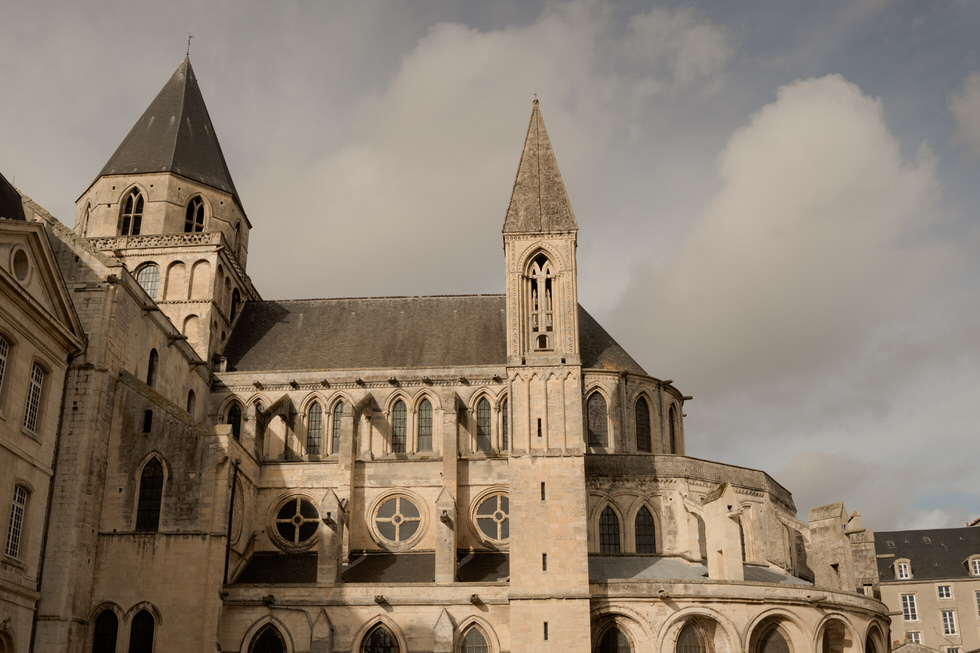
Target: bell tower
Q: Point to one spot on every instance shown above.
(166, 205)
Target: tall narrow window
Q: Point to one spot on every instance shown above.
(194, 220)
(504, 427)
(910, 611)
(15, 530)
(645, 529)
(425, 426)
(380, 640)
(132, 215)
(151, 367)
(104, 633)
(642, 418)
(236, 301)
(148, 277)
(399, 427)
(949, 622)
(150, 497)
(597, 419)
(608, 531)
(191, 401)
(540, 277)
(33, 404)
(614, 641)
(672, 426)
(338, 416)
(4, 351)
(474, 642)
(141, 633)
(483, 425)
(147, 421)
(235, 419)
(314, 430)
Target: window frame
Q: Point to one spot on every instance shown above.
(593, 438)
(155, 282)
(336, 426)
(131, 219)
(194, 215)
(399, 426)
(407, 542)
(483, 425)
(948, 618)
(424, 422)
(648, 429)
(314, 429)
(148, 515)
(34, 398)
(903, 570)
(944, 591)
(609, 531)
(298, 520)
(6, 353)
(17, 522)
(652, 534)
(910, 609)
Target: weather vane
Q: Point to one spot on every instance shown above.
(189, 37)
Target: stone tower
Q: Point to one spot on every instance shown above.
(166, 205)
(549, 548)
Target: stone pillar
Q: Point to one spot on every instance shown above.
(721, 512)
(829, 550)
(445, 537)
(330, 546)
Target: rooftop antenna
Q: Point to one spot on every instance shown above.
(189, 37)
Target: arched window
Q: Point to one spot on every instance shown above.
(104, 633)
(191, 401)
(483, 425)
(672, 425)
(692, 639)
(642, 419)
(504, 427)
(338, 415)
(540, 277)
(474, 642)
(150, 497)
(268, 640)
(380, 640)
(614, 641)
(314, 430)
(399, 427)
(194, 220)
(608, 531)
(236, 300)
(148, 277)
(597, 419)
(15, 528)
(32, 406)
(151, 367)
(425, 426)
(646, 534)
(132, 215)
(773, 641)
(141, 633)
(235, 419)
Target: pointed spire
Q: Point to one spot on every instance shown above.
(539, 202)
(175, 135)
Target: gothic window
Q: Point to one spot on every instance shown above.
(597, 419)
(672, 425)
(399, 427)
(151, 367)
(194, 220)
(614, 641)
(773, 641)
(492, 517)
(141, 633)
(483, 425)
(148, 277)
(338, 414)
(132, 215)
(236, 300)
(33, 404)
(692, 640)
(297, 521)
(540, 278)
(267, 641)
(608, 531)
(425, 426)
(235, 419)
(104, 633)
(504, 427)
(150, 497)
(397, 520)
(645, 530)
(642, 419)
(474, 642)
(15, 529)
(314, 430)
(380, 640)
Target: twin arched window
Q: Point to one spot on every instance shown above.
(194, 219)
(132, 215)
(596, 409)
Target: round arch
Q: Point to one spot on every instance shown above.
(790, 627)
(724, 637)
(840, 632)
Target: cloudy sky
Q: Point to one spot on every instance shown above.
(777, 201)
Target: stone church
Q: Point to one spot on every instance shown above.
(187, 466)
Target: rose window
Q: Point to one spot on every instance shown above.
(297, 521)
(397, 520)
(492, 517)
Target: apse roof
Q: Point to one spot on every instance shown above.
(392, 332)
(175, 135)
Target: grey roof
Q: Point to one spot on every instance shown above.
(483, 567)
(539, 201)
(934, 553)
(611, 567)
(390, 568)
(11, 203)
(279, 569)
(175, 134)
(392, 332)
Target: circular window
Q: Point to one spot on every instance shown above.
(398, 520)
(296, 522)
(492, 517)
(20, 265)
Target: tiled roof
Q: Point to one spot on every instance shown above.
(392, 332)
(11, 203)
(934, 553)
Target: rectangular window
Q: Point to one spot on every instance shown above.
(914, 637)
(945, 592)
(33, 398)
(952, 649)
(16, 528)
(544, 562)
(977, 594)
(542, 498)
(546, 630)
(909, 610)
(975, 566)
(903, 570)
(949, 622)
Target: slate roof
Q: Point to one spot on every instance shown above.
(611, 567)
(175, 134)
(11, 203)
(934, 553)
(539, 201)
(392, 332)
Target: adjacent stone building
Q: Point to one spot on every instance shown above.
(476, 474)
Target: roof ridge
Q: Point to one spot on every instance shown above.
(341, 299)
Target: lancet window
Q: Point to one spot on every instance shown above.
(132, 215)
(540, 283)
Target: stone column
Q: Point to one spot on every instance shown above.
(330, 546)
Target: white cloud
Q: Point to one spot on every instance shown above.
(964, 104)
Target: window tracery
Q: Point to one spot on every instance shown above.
(132, 215)
(539, 279)
(596, 406)
(194, 218)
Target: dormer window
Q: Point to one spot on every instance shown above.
(903, 570)
(132, 215)
(194, 220)
(975, 569)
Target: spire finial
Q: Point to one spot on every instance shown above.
(535, 98)
(189, 37)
